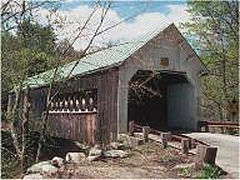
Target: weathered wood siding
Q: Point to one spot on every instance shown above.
(78, 126)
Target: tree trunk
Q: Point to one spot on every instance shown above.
(146, 131)
(11, 115)
(42, 136)
(44, 125)
(25, 128)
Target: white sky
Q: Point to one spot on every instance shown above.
(125, 31)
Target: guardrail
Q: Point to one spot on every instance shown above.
(217, 124)
(172, 136)
(204, 152)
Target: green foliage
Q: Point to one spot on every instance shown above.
(36, 36)
(213, 30)
(210, 172)
(185, 172)
(27, 52)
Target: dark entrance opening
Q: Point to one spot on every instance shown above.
(148, 97)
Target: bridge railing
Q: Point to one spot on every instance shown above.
(217, 124)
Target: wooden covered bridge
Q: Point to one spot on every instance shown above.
(106, 89)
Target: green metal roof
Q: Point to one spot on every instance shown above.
(110, 57)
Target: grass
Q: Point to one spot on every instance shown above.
(210, 172)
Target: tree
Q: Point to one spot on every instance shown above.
(71, 54)
(34, 45)
(29, 52)
(27, 49)
(213, 30)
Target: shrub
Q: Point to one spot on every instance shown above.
(210, 172)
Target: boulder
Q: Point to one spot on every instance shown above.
(57, 161)
(36, 168)
(129, 141)
(95, 151)
(42, 167)
(115, 154)
(81, 146)
(180, 166)
(92, 158)
(75, 157)
(114, 145)
(33, 176)
(49, 169)
(118, 145)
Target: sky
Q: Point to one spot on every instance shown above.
(145, 16)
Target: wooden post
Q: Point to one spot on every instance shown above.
(131, 127)
(185, 143)
(146, 130)
(199, 125)
(165, 137)
(192, 144)
(205, 155)
(206, 128)
(169, 135)
(210, 155)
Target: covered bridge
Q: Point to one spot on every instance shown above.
(153, 81)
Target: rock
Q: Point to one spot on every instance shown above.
(114, 145)
(179, 166)
(57, 161)
(95, 151)
(92, 158)
(115, 154)
(33, 176)
(43, 167)
(49, 169)
(75, 157)
(117, 145)
(36, 168)
(129, 141)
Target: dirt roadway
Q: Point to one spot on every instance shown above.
(228, 150)
(145, 161)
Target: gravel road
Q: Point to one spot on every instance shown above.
(228, 150)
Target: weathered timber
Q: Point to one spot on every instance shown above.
(185, 145)
(169, 135)
(205, 155)
(146, 131)
(131, 127)
(210, 155)
(164, 137)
